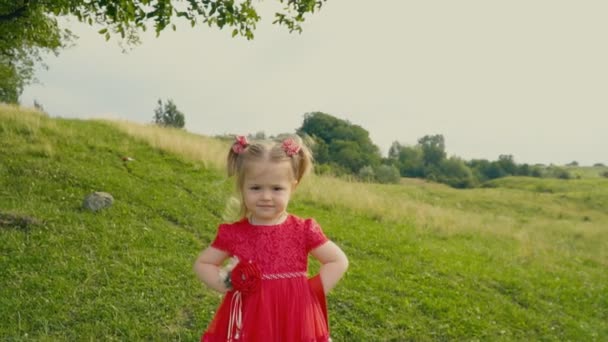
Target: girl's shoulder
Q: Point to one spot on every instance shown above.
(307, 222)
(302, 219)
(295, 219)
(234, 225)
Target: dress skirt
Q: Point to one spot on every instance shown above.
(291, 309)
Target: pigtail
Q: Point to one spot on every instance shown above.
(305, 162)
(231, 163)
(238, 152)
(300, 155)
(237, 148)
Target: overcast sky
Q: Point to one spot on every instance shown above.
(521, 77)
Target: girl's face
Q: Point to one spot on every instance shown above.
(267, 188)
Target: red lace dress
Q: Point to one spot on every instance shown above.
(286, 306)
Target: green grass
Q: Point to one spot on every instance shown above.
(524, 259)
(119, 274)
(587, 171)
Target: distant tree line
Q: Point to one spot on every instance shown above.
(342, 148)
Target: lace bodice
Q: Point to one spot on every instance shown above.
(277, 248)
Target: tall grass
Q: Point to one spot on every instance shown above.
(211, 152)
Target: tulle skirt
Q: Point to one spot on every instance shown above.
(291, 309)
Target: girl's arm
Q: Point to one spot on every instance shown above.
(333, 264)
(207, 268)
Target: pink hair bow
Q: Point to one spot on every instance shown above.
(240, 144)
(290, 147)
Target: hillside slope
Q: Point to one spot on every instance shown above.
(122, 273)
(427, 262)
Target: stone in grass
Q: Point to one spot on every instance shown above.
(97, 201)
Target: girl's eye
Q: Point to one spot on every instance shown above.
(255, 187)
(277, 188)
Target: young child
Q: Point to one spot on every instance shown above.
(268, 296)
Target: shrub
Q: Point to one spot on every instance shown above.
(387, 174)
(367, 174)
(455, 173)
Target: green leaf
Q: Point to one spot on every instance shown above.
(235, 32)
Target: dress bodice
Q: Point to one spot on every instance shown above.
(274, 248)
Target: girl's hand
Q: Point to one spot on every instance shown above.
(207, 268)
(333, 264)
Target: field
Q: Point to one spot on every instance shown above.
(520, 259)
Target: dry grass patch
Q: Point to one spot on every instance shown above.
(210, 151)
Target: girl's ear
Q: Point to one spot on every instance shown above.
(294, 185)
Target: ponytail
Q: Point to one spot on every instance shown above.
(231, 163)
(238, 147)
(302, 160)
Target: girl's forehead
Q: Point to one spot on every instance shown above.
(264, 169)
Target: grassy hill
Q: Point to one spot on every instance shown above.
(525, 259)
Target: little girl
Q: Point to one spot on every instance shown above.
(269, 297)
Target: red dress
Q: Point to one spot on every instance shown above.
(286, 306)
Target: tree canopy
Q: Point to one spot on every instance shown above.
(25, 32)
(340, 142)
(168, 115)
(29, 28)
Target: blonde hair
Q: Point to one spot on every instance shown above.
(241, 155)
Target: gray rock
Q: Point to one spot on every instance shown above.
(97, 201)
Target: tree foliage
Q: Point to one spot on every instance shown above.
(168, 115)
(407, 159)
(29, 28)
(26, 32)
(454, 172)
(433, 149)
(343, 148)
(428, 160)
(340, 142)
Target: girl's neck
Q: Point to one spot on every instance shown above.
(278, 220)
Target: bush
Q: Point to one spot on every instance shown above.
(557, 172)
(387, 174)
(455, 173)
(367, 174)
